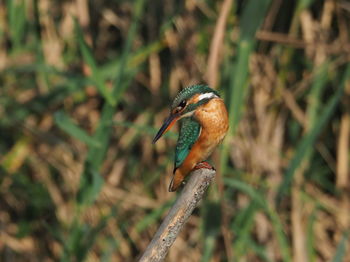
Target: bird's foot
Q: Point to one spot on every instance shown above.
(205, 165)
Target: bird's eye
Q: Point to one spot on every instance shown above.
(182, 104)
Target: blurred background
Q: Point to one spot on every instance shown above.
(86, 84)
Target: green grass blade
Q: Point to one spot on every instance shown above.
(153, 217)
(239, 83)
(256, 10)
(102, 134)
(112, 245)
(253, 15)
(314, 98)
(275, 220)
(119, 86)
(90, 185)
(103, 131)
(208, 249)
(341, 248)
(242, 227)
(66, 124)
(16, 21)
(210, 227)
(314, 101)
(259, 250)
(310, 240)
(111, 69)
(86, 243)
(309, 139)
(90, 60)
(303, 4)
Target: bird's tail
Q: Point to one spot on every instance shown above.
(176, 181)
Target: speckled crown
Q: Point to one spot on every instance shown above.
(190, 91)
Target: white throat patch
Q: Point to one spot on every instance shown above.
(206, 95)
(188, 114)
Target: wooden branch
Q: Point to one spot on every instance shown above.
(178, 215)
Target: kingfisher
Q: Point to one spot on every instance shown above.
(203, 120)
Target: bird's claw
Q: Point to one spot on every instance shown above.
(205, 165)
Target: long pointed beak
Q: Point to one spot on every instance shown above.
(168, 123)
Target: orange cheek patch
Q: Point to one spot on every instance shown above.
(194, 99)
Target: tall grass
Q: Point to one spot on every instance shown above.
(86, 84)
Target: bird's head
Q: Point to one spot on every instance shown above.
(185, 105)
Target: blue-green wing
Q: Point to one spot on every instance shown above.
(189, 133)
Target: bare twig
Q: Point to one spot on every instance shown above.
(178, 215)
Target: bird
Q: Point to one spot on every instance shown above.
(203, 119)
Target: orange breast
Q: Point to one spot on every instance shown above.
(213, 119)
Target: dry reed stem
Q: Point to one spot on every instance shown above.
(216, 44)
(342, 167)
(178, 215)
(343, 152)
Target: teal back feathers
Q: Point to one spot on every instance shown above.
(189, 133)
